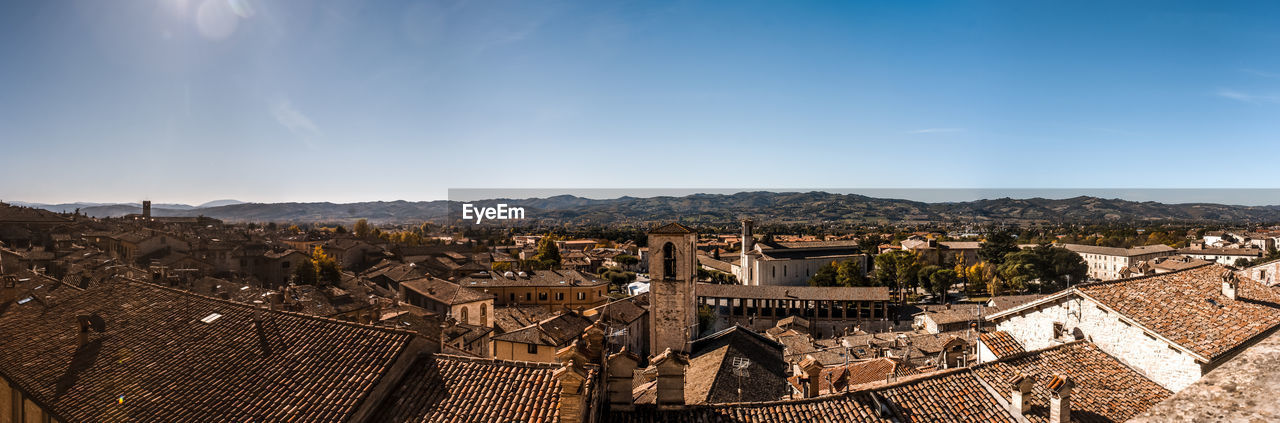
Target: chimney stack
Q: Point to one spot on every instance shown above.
(1060, 402)
(811, 383)
(671, 368)
(263, 345)
(594, 348)
(571, 379)
(92, 321)
(1022, 384)
(622, 368)
(1230, 285)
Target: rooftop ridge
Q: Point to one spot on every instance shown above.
(861, 389)
(494, 360)
(1135, 278)
(269, 310)
(1023, 354)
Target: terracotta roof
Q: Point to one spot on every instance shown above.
(444, 291)
(710, 376)
(954, 314)
(1106, 390)
(168, 355)
(622, 311)
(542, 278)
(945, 396)
(814, 293)
(1249, 252)
(672, 228)
(556, 331)
(1188, 307)
(842, 244)
(1001, 343)
(850, 376)
(1124, 252)
(1004, 302)
(720, 265)
(447, 388)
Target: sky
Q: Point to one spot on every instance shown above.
(186, 101)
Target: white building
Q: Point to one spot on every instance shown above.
(1109, 263)
(790, 263)
(1172, 328)
(1227, 256)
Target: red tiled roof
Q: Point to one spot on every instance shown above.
(165, 356)
(946, 396)
(446, 388)
(1105, 389)
(1001, 343)
(1188, 308)
(839, 378)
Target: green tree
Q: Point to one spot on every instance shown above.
(849, 273)
(626, 260)
(825, 276)
(326, 267)
(306, 274)
(897, 269)
(548, 253)
(998, 244)
(942, 281)
(362, 228)
(501, 267)
(925, 276)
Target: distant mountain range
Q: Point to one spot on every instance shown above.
(714, 209)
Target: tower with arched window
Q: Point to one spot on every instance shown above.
(672, 271)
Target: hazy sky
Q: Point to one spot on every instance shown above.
(189, 101)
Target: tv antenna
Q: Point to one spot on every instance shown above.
(740, 365)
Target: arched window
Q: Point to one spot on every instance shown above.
(463, 314)
(668, 262)
(484, 312)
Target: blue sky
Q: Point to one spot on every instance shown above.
(190, 101)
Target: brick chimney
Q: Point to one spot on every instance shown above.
(594, 348)
(671, 367)
(573, 398)
(1230, 285)
(1060, 402)
(1018, 404)
(811, 382)
(94, 322)
(621, 367)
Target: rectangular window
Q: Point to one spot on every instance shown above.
(582, 296)
(533, 349)
(528, 296)
(559, 296)
(542, 296)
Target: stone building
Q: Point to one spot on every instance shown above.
(1109, 263)
(790, 263)
(830, 310)
(556, 290)
(671, 289)
(1172, 327)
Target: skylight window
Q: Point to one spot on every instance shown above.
(25, 300)
(211, 317)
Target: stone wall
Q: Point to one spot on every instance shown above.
(1151, 356)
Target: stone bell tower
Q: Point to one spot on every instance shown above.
(672, 270)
